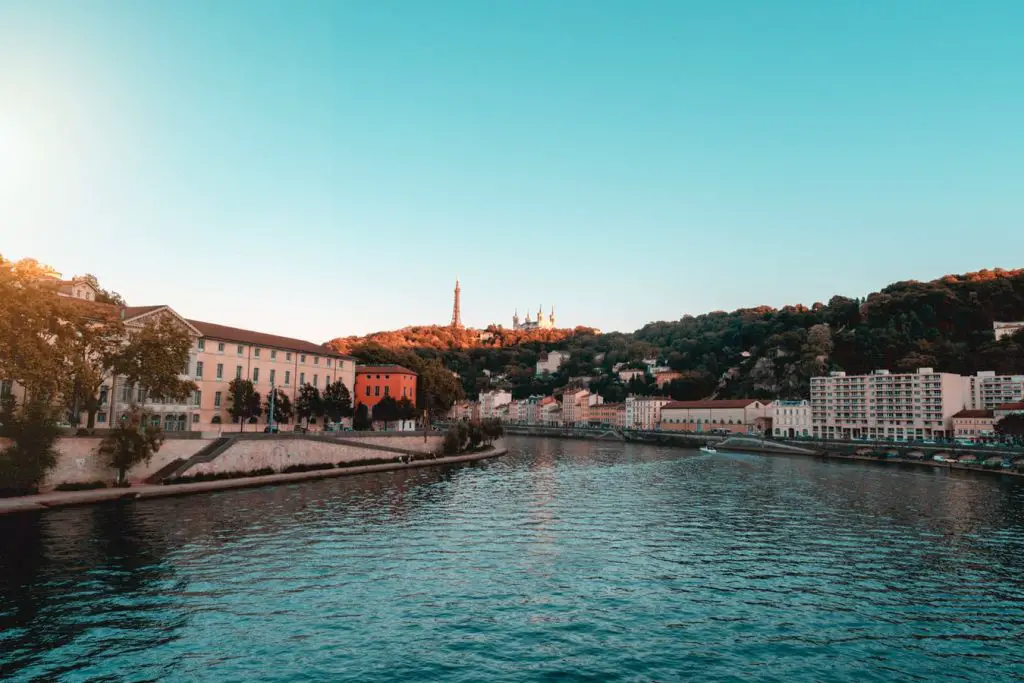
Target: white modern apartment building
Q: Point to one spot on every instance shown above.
(492, 401)
(644, 412)
(791, 418)
(888, 406)
(988, 391)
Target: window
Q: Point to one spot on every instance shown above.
(273, 354)
(376, 391)
(195, 418)
(287, 377)
(302, 378)
(257, 352)
(197, 398)
(240, 348)
(327, 381)
(302, 358)
(272, 373)
(316, 360)
(6, 387)
(314, 380)
(255, 375)
(328, 362)
(126, 393)
(238, 372)
(216, 400)
(288, 355)
(199, 369)
(202, 344)
(220, 371)
(101, 418)
(367, 389)
(220, 347)
(387, 391)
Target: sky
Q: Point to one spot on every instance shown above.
(321, 169)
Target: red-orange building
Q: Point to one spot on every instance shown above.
(374, 382)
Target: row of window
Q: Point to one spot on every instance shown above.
(256, 375)
(257, 351)
(406, 392)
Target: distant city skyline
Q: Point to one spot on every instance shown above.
(328, 169)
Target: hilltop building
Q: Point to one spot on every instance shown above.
(1007, 329)
(541, 323)
(551, 361)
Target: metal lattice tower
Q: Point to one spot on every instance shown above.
(456, 312)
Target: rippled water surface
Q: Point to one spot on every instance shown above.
(563, 561)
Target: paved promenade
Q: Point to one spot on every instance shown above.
(57, 499)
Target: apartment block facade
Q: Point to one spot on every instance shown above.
(883, 405)
(791, 419)
(987, 390)
(644, 412)
(374, 382)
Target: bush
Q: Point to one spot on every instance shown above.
(311, 467)
(196, 478)
(451, 443)
(82, 431)
(24, 464)
(80, 486)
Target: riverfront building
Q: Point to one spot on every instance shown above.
(740, 416)
(607, 414)
(791, 419)
(644, 412)
(974, 424)
(987, 390)
(492, 401)
(374, 382)
(882, 405)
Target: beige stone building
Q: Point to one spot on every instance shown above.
(974, 424)
(791, 419)
(607, 414)
(575, 406)
(739, 416)
(644, 412)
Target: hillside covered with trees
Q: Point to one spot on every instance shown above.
(752, 352)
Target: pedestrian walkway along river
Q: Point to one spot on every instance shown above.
(565, 560)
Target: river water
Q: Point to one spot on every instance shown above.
(566, 560)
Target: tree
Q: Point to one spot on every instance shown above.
(437, 389)
(104, 296)
(1011, 426)
(336, 401)
(33, 453)
(362, 422)
(308, 404)
(407, 410)
(492, 429)
(134, 440)
(476, 434)
(386, 411)
(244, 401)
(155, 357)
(282, 407)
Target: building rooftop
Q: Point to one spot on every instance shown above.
(392, 369)
(975, 413)
(235, 334)
(735, 403)
(1011, 406)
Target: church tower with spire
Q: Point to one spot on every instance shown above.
(456, 309)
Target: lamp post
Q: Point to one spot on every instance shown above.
(270, 416)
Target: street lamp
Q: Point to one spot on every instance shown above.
(270, 417)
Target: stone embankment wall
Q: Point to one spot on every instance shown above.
(246, 455)
(79, 461)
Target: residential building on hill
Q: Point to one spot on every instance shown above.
(665, 376)
(374, 382)
(1007, 329)
(627, 375)
(791, 418)
(740, 416)
(551, 361)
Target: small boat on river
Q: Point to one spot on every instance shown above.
(708, 449)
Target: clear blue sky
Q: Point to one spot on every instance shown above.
(328, 168)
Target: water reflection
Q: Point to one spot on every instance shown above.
(565, 559)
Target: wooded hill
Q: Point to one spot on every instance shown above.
(753, 352)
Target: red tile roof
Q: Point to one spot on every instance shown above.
(1011, 406)
(135, 311)
(234, 334)
(737, 403)
(391, 369)
(974, 413)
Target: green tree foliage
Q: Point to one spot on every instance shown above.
(308, 404)
(243, 401)
(407, 410)
(492, 429)
(33, 453)
(336, 401)
(283, 410)
(155, 357)
(133, 441)
(386, 411)
(361, 420)
(1012, 426)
